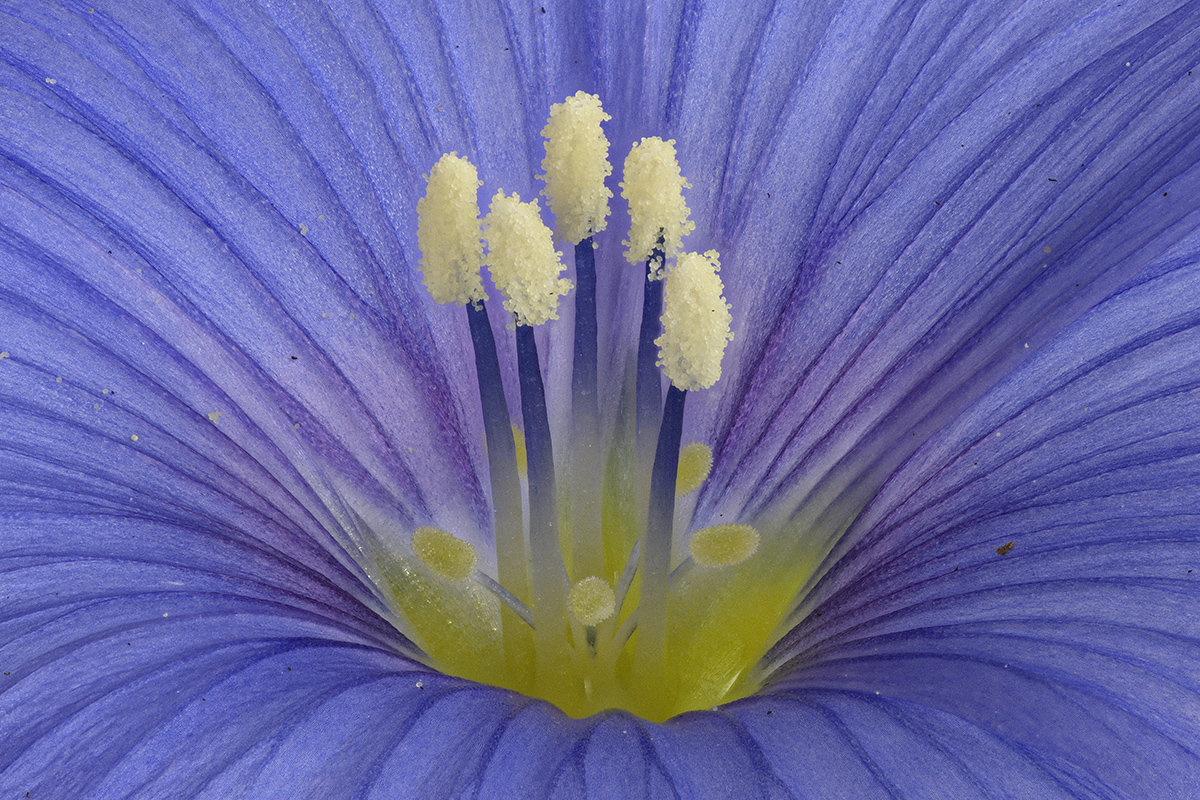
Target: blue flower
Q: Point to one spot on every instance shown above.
(960, 243)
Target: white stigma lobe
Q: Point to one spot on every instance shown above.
(592, 601)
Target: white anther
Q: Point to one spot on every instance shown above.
(695, 322)
(448, 232)
(576, 166)
(654, 188)
(524, 264)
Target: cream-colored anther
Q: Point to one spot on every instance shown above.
(576, 165)
(448, 232)
(654, 188)
(723, 545)
(592, 601)
(525, 266)
(447, 556)
(695, 322)
(695, 462)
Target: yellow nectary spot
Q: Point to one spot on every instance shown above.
(445, 554)
(695, 461)
(524, 263)
(576, 165)
(448, 232)
(695, 322)
(654, 188)
(592, 601)
(723, 545)
(519, 447)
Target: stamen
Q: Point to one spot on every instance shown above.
(696, 322)
(548, 571)
(695, 462)
(504, 469)
(587, 550)
(447, 556)
(526, 269)
(656, 553)
(539, 453)
(658, 221)
(649, 379)
(576, 166)
(448, 232)
(523, 261)
(658, 214)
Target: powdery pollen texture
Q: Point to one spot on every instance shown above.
(576, 166)
(695, 322)
(524, 264)
(448, 232)
(654, 188)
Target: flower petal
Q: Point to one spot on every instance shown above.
(1032, 570)
(944, 183)
(225, 187)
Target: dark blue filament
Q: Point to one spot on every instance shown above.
(649, 380)
(662, 484)
(656, 554)
(539, 453)
(587, 548)
(511, 561)
(583, 373)
(496, 425)
(548, 594)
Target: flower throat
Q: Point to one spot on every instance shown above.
(589, 605)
